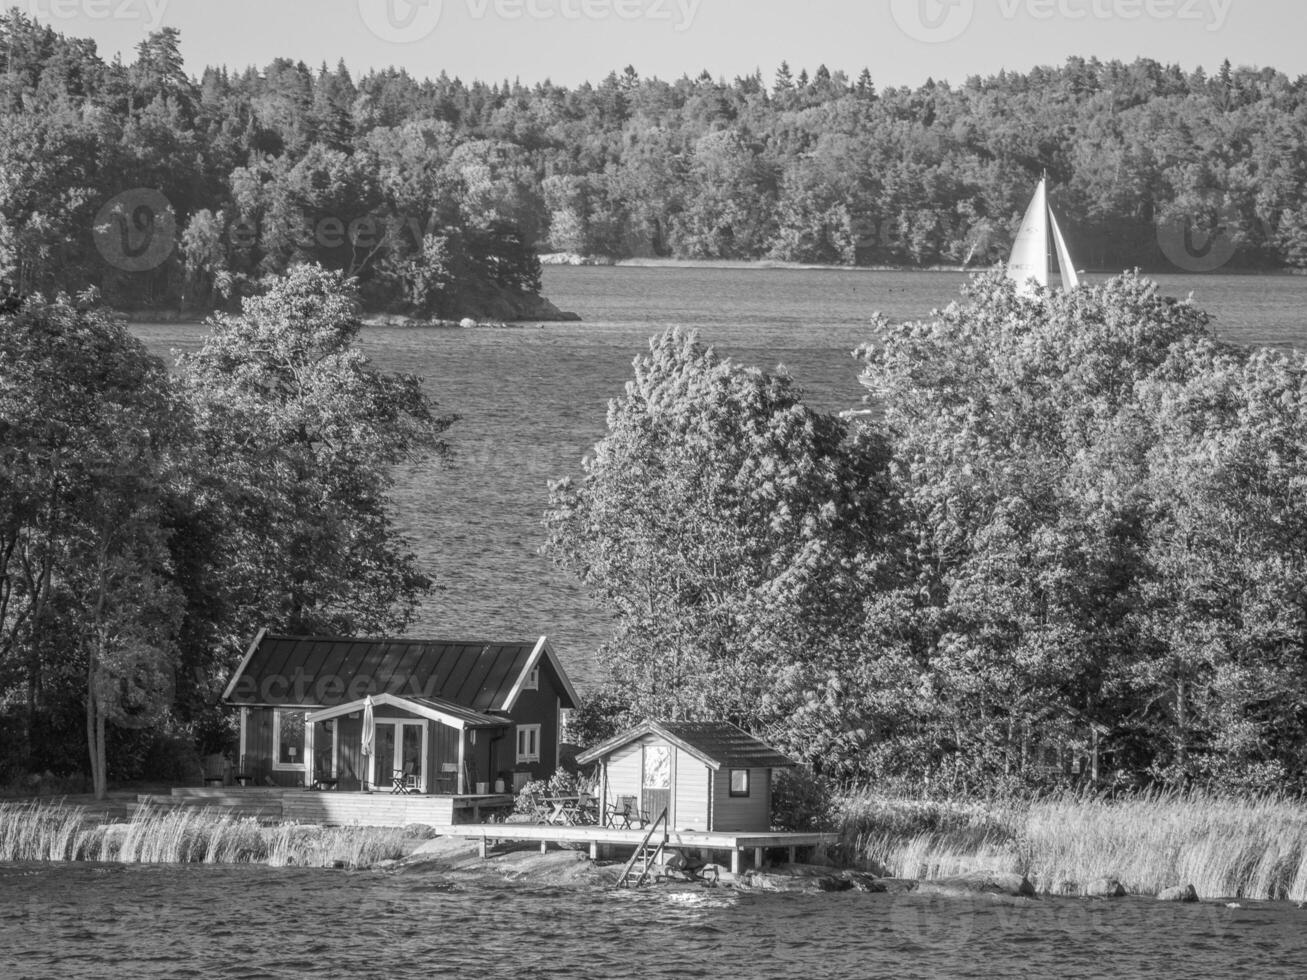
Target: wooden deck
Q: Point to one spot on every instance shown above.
(737, 844)
(459, 816)
(338, 808)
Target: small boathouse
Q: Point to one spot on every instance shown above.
(709, 776)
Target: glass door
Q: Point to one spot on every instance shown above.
(657, 795)
(399, 750)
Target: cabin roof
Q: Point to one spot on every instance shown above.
(317, 671)
(446, 712)
(719, 744)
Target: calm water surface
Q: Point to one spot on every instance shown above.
(533, 402)
(79, 921)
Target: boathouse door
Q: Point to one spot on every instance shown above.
(657, 783)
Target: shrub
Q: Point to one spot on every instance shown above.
(801, 801)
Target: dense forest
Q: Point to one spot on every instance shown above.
(438, 194)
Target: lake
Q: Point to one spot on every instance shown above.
(533, 401)
(94, 921)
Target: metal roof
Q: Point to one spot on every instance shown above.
(717, 743)
(313, 671)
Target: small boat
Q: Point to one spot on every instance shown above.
(1031, 253)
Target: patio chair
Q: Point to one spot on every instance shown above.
(216, 767)
(623, 813)
(404, 780)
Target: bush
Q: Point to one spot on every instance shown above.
(801, 801)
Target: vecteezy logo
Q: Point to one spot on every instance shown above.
(1200, 243)
(136, 231)
(933, 21)
(401, 21)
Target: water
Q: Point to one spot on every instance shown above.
(86, 921)
(533, 402)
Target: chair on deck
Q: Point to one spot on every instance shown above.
(216, 767)
(623, 813)
(404, 780)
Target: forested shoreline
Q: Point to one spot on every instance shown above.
(438, 193)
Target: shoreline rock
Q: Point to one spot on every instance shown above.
(1180, 893)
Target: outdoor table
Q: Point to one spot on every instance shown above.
(569, 810)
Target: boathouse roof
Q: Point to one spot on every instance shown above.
(320, 672)
(718, 744)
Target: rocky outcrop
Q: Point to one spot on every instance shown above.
(980, 883)
(1105, 888)
(1180, 893)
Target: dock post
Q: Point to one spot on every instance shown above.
(544, 846)
(735, 861)
(792, 850)
(757, 858)
(484, 849)
(594, 850)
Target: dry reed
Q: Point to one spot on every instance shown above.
(1226, 847)
(42, 831)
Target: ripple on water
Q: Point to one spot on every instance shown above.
(72, 923)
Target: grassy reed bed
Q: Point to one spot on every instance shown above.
(1253, 847)
(41, 831)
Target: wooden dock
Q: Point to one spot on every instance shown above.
(460, 816)
(738, 845)
(337, 808)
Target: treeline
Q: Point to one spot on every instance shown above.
(164, 192)
(151, 521)
(439, 193)
(1070, 527)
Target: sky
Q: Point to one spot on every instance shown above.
(902, 42)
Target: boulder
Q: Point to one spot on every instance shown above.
(768, 882)
(1105, 888)
(896, 886)
(980, 883)
(861, 882)
(1180, 893)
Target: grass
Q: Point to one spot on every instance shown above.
(41, 831)
(1226, 847)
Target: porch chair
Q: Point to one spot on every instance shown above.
(404, 780)
(216, 767)
(623, 813)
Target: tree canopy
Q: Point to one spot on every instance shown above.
(1067, 518)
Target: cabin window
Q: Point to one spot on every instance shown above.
(739, 782)
(528, 743)
(532, 682)
(287, 739)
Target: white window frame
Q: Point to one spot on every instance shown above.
(532, 682)
(532, 734)
(277, 764)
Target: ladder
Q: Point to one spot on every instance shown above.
(645, 855)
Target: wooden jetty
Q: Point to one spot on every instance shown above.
(460, 816)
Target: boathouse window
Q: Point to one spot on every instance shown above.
(532, 682)
(287, 739)
(739, 782)
(528, 743)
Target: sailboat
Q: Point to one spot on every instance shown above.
(1031, 253)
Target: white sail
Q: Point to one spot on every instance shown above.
(1030, 258)
(1069, 278)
